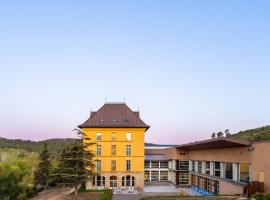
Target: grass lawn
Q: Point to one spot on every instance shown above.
(84, 196)
(189, 198)
(91, 195)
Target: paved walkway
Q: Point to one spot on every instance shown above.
(53, 194)
(127, 197)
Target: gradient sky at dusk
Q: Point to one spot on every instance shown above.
(192, 67)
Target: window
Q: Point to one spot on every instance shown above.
(98, 166)
(113, 165)
(229, 171)
(155, 165)
(184, 165)
(184, 172)
(163, 164)
(99, 136)
(244, 172)
(183, 178)
(98, 150)
(113, 181)
(128, 150)
(154, 175)
(113, 136)
(113, 150)
(99, 181)
(200, 166)
(207, 167)
(128, 181)
(128, 165)
(128, 136)
(163, 175)
(193, 165)
(217, 169)
(146, 164)
(146, 176)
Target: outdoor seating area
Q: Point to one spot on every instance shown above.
(124, 190)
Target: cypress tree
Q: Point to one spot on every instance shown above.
(76, 165)
(41, 175)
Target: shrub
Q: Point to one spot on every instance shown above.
(262, 197)
(106, 195)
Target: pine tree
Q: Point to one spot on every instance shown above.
(42, 173)
(77, 162)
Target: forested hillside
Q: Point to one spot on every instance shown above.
(256, 134)
(55, 146)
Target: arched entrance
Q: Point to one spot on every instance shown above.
(113, 181)
(98, 181)
(128, 181)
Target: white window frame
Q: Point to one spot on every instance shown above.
(113, 161)
(98, 165)
(128, 165)
(114, 136)
(128, 136)
(99, 136)
(113, 154)
(128, 150)
(99, 150)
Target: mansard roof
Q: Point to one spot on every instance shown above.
(114, 115)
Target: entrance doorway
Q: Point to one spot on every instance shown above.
(113, 181)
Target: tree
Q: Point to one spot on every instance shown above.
(77, 162)
(41, 175)
(213, 135)
(10, 177)
(219, 134)
(227, 132)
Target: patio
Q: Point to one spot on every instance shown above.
(166, 188)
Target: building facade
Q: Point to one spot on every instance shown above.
(219, 166)
(118, 134)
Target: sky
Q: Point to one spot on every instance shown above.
(190, 67)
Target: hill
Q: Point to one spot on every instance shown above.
(256, 134)
(55, 146)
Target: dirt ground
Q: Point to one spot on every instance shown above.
(65, 194)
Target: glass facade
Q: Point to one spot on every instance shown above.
(154, 175)
(229, 171)
(164, 175)
(164, 165)
(217, 169)
(183, 172)
(155, 164)
(207, 167)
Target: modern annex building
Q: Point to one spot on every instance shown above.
(220, 166)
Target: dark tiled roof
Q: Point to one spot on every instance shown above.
(222, 142)
(114, 116)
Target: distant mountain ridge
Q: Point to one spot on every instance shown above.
(55, 145)
(256, 134)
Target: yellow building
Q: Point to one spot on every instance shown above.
(118, 133)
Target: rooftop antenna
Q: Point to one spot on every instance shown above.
(124, 99)
(105, 100)
(90, 110)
